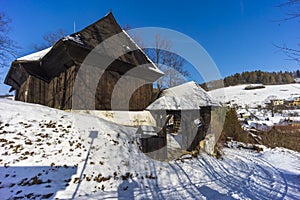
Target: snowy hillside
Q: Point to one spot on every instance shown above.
(252, 98)
(48, 153)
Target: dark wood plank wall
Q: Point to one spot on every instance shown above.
(21, 92)
(142, 97)
(58, 92)
(70, 80)
(139, 100)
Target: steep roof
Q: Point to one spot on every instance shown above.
(74, 48)
(188, 96)
(35, 56)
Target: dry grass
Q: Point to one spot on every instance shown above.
(282, 136)
(279, 136)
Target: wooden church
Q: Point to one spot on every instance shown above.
(48, 77)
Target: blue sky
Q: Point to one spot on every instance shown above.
(238, 34)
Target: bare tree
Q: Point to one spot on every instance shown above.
(7, 46)
(293, 13)
(50, 39)
(168, 62)
(137, 38)
(294, 9)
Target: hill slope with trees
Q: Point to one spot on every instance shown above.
(260, 77)
(256, 77)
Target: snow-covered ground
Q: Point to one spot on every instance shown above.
(252, 98)
(48, 153)
(251, 104)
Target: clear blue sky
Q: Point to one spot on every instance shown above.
(238, 34)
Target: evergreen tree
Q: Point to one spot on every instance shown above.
(298, 73)
(266, 78)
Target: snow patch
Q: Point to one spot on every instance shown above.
(55, 154)
(188, 96)
(35, 56)
(253, 98)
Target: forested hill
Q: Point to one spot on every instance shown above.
(266, 78)
(257, 77)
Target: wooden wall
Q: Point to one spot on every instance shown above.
(22, 92)
(58, 92)
(140, 98)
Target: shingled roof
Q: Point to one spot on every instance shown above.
(74, 48)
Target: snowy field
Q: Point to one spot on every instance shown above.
(48, 153)
(252, 98)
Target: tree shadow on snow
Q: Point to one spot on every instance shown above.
(126, 189)
(213, 194)
(38, 182)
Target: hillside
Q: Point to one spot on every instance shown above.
(48, 153)
(238, 95)
(258, 76)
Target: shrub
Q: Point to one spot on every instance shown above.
(233, 129)
(253, 87)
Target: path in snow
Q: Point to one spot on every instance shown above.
(45, 151)
(241, 174)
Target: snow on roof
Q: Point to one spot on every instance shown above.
(293, 98)
(189, 88)
(75, 38)
(35, 56)
(261, 122)
(187, 96)
(40, 54)
(276, 119)
(155, 68)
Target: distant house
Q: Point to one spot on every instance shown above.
(290, 121)
(277, 102)
(47, 77)
(260, 125)
(294, 102)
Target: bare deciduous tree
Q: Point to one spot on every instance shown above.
(170, 63)
(167, 61)
(50, 39)
(7, 46)
(294, 9)
(293, 13)
(137, 38)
